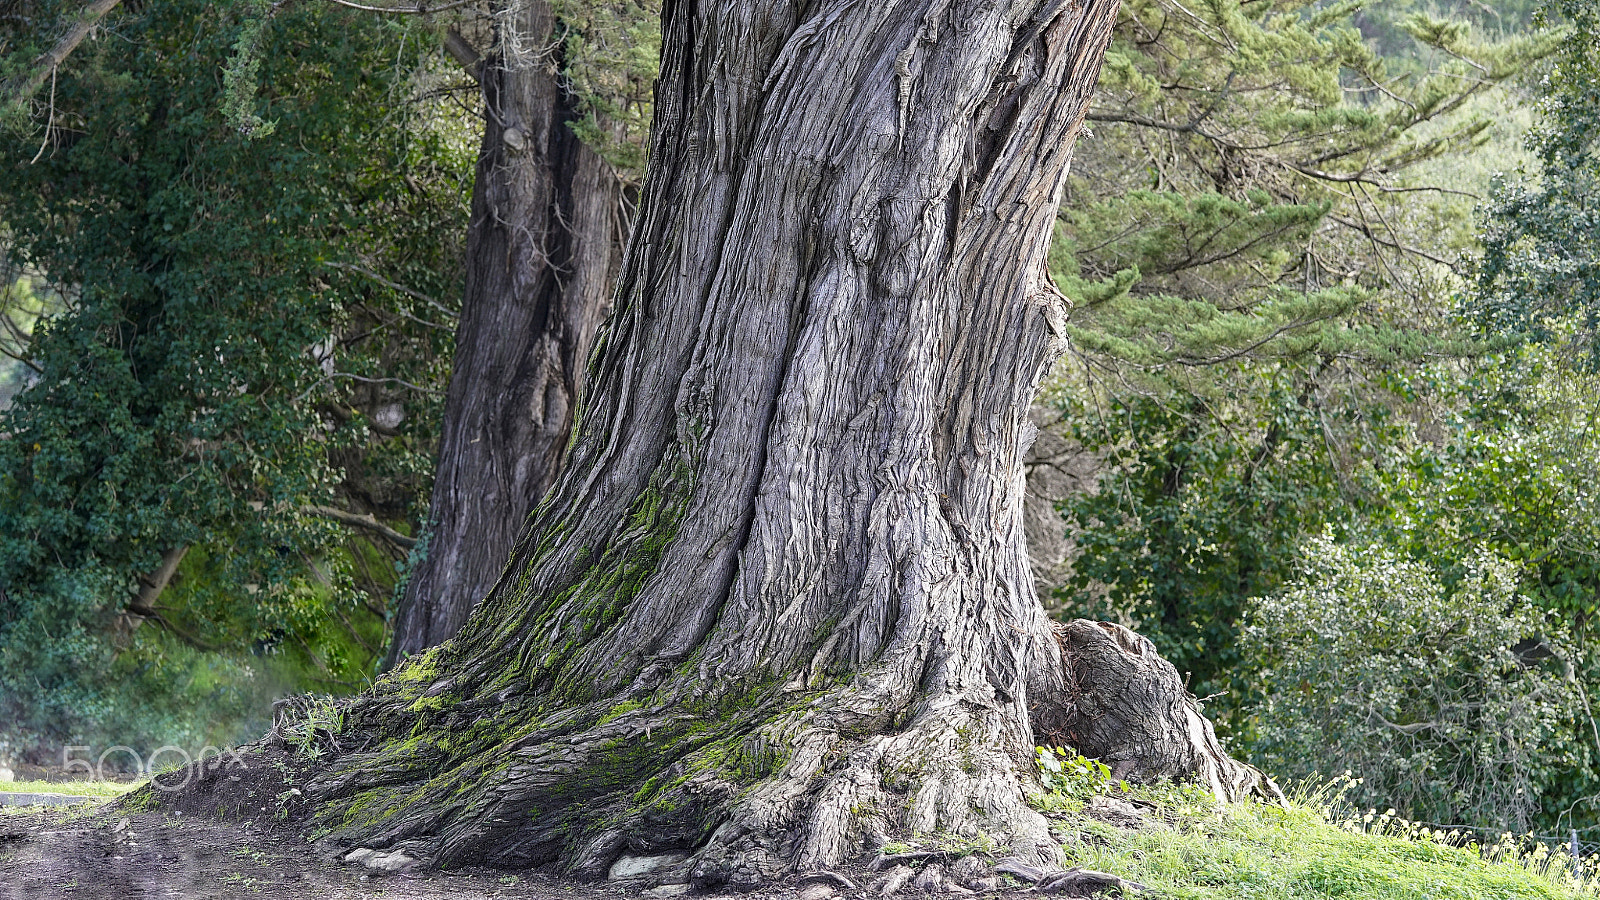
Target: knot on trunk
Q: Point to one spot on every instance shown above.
(1127, 707)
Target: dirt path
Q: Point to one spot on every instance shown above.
(84, 853)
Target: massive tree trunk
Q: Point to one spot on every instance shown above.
(543, 248)
(779, 603)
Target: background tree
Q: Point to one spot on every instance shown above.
(1541, 261)
(1257, 259)
(565, 92)
(222, 370)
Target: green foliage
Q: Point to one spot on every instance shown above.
(1247, 169)
(1541, 261)
(245, 332)
(1203, 505)
(1316, 846)
(1256, 279)
(318, 719)
(611, 51)
(1071, 774)
(242, 71)
(1450, 696)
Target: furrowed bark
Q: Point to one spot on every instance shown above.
(543, 249)
(778, 605)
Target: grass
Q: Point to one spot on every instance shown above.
(99, 789)
(1192, 848)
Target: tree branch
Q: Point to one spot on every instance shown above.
(464, 53)
(421, 9)
(363, 521)
(55, 56)
(151, 585)
(409, 292)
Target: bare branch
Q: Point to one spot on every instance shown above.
(46, 64)
(409, 292)
(421, 9)
(363, 521)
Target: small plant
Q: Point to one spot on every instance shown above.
(320, 719)
(980, 843)
(1069, 773)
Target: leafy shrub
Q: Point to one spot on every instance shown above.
(1453, 704)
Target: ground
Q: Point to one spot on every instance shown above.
(1160, 843)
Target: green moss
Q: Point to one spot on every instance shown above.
(428, 704)
(420, 668)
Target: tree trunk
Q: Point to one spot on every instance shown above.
(543, 249)
(778, 604)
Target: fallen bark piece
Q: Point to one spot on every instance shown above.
(828, 877)
(893, 880)
(1013, 866)
(1076, 882)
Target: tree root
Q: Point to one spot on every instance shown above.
(723, 789)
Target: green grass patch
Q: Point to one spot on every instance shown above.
(105, 789)
(1192, 848)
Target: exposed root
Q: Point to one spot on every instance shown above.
(743, 793)
(736, 786)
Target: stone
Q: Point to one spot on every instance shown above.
(893, 880)
(1114, 812)
(668, 890)
(985, 884)
(391, 862)
(967, 868)
(379, 861)
(930, 880)
(817, 891)
(639, 866)
(7, 775)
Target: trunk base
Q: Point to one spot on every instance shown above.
(725, 791)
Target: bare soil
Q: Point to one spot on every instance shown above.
(105, 852)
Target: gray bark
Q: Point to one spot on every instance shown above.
(778, 604)
(543, 248)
